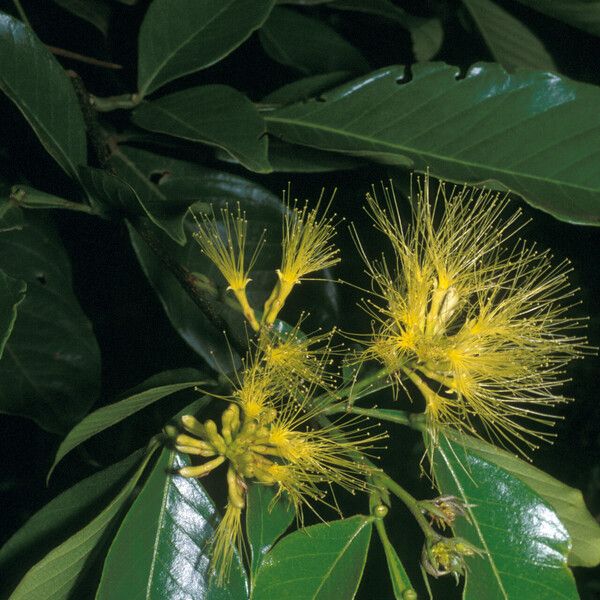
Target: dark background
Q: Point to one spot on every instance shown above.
(137, 340)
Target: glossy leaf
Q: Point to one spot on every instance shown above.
(50, 370)
(110, 415)
(55, 576)
(161, 551)
(566, 501)
(95, 12)
(512, 44)
(524, 542)
(171, 46)
(32, 78)
(426, 33)
(308, 44)
(584, 14)
(12, 293)
(486, 130)
(60, 518)
(321, 562)
(213, 114)
(267, 520)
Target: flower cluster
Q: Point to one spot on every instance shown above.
(272, 433)
(306, 248)
(478, 327)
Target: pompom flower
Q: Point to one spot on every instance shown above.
(480, 327)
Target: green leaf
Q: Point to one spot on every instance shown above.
(305, 88)
(401, 584)
(267, 520)
(427, 34)
(29, 197)
(213, 114)
(167, 533)
(171, 46)
(165, 213)
(62, 517)
(531, 132)
(512, 44)
(308, 44)
(55, 577)
(566, 501)
(107, 416)
(50, 370)
(584, 14)
(95, 12)
(321, 562)
(525, 544)
(37, 84)
(12, 293)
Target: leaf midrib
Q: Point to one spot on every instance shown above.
(411, 152)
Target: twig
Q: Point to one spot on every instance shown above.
(82, 58)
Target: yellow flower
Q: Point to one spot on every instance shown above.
(228, 254)
(293, 355)
(273, 433)
(480, 329)
(306, 248)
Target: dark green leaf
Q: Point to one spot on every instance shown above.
(62, 517)
(95, 12)
(266, 521)
(533, 133)
(12, 293)
(584, 14)
(213, 114)
(525, 544)
(171, 46)
(50, 370)
(55, 577)
(308, 44)
(32, 78)
(166, 214)
(305, 88)
(161, 551)
(107, 416)
(566, 501)
(427, 34)
(321, 562)
(512, 44)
